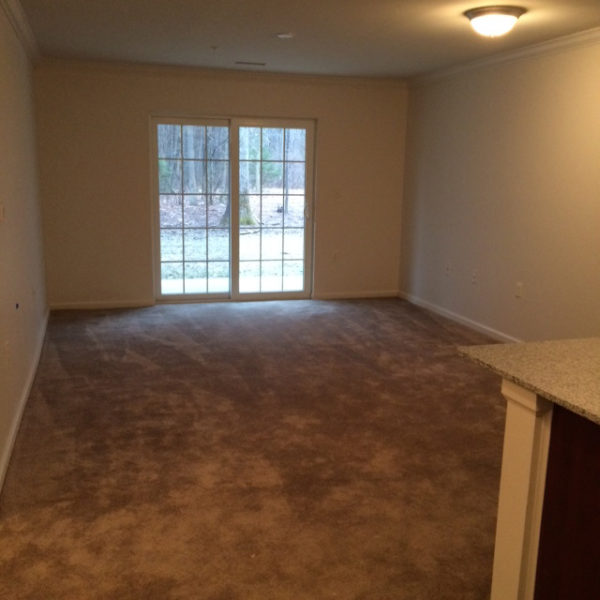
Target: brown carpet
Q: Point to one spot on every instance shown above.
(282, 450)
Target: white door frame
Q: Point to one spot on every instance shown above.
(234, 124)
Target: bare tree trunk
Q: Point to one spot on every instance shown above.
(246, 217)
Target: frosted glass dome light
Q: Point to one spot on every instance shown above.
(493, 21)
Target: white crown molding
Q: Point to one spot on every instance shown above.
(582, 38)
(18, 20)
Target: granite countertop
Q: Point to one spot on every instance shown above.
(567, 372)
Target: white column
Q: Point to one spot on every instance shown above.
(522, 484)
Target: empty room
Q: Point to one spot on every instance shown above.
(299, 300)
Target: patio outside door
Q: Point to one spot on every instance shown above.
(233, 216)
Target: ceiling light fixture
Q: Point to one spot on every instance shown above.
(493, 21)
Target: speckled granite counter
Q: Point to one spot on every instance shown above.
(549, 467)
(566, 372)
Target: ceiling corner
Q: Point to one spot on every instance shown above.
(18, 19)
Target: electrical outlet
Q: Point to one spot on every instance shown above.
(519, 289)
(474, 277)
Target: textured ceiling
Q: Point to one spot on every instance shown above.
(390, 38)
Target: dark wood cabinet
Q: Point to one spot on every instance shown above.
(569, 550)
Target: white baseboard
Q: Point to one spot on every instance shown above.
(101, 304)
(6, 451)
(355, 295)
(479, 327)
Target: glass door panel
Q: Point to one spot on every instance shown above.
(272, 208)
(194, 208)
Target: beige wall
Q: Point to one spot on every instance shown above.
(503, 179)
(21, 265)
(95, 171)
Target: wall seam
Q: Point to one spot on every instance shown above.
(18, 20)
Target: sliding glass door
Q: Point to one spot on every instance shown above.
(233, 209)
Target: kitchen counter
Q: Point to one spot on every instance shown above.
(547, 527)
(566, 372)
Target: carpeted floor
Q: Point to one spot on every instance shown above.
(300, 450)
